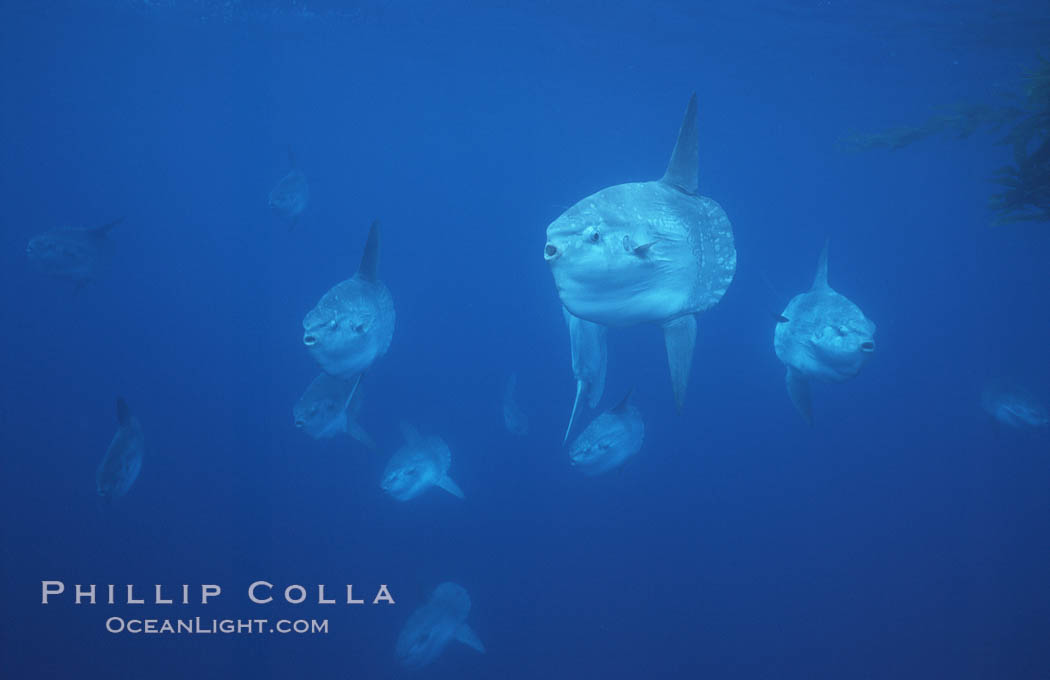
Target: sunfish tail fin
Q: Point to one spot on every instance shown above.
(467, 636)
(685, 159)
(123, 412)
(680, 338)
(821, 279)
(798, 390)
(575, 405)
(447, 484)
(369, 269)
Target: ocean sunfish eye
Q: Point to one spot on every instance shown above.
(594, 236)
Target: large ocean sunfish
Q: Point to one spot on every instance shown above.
(290, 196)
(329, 406)
(431, 627)
(122, 463)
(422, 462)
(647, 252)
(1014, 406)
(821, 335)
(610, 440)
(79, 255)
(353, 323)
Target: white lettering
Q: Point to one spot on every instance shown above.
(383, 594)
(251, 592)
(298, 589)
(90, 592)
(49, 588)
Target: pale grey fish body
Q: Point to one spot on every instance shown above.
(609, 441)
(430, 628)
(329, 407)
(821, 335)
(353, 323)
(647, 252)
(421, 463)
(122, 463)
(589, 360)
(80, 255)
(514, 418)
(1014, 406)
(290, 195)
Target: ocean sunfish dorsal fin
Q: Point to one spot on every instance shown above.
(410, 433)
(685, 159)
(622, 406)
(369, 269)
(123, 412)
(104, 229)
(821, 279)
(798, 390)
(575, 404)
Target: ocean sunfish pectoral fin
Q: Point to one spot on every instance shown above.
(680, 338)
(369, 269)
(467, 636)
(354, 429)
(575, 405)
(123, 412)
(447, 484)
(821, 279)
(685, 159)
(798, 390)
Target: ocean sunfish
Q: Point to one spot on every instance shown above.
(589, 360)
(1014, 406)
(821, 335)
(514, 418)
(610, 440)
(122, 463)
(647, 252)
(422, 462)
(431, 627)
(329, 406)
(79, 255)
(290, 196)
(353, 323)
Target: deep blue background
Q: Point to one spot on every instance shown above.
(897, 538)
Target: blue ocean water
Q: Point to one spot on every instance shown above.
(899, 537)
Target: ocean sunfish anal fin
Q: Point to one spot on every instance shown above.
(467, 636)
(410, 433)
(447, 484)
(369, 269)
(798, 390)
(685, 159)
(575, 405)
(821, 278)
(680, 338)
(123, 412)
(624, 403)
